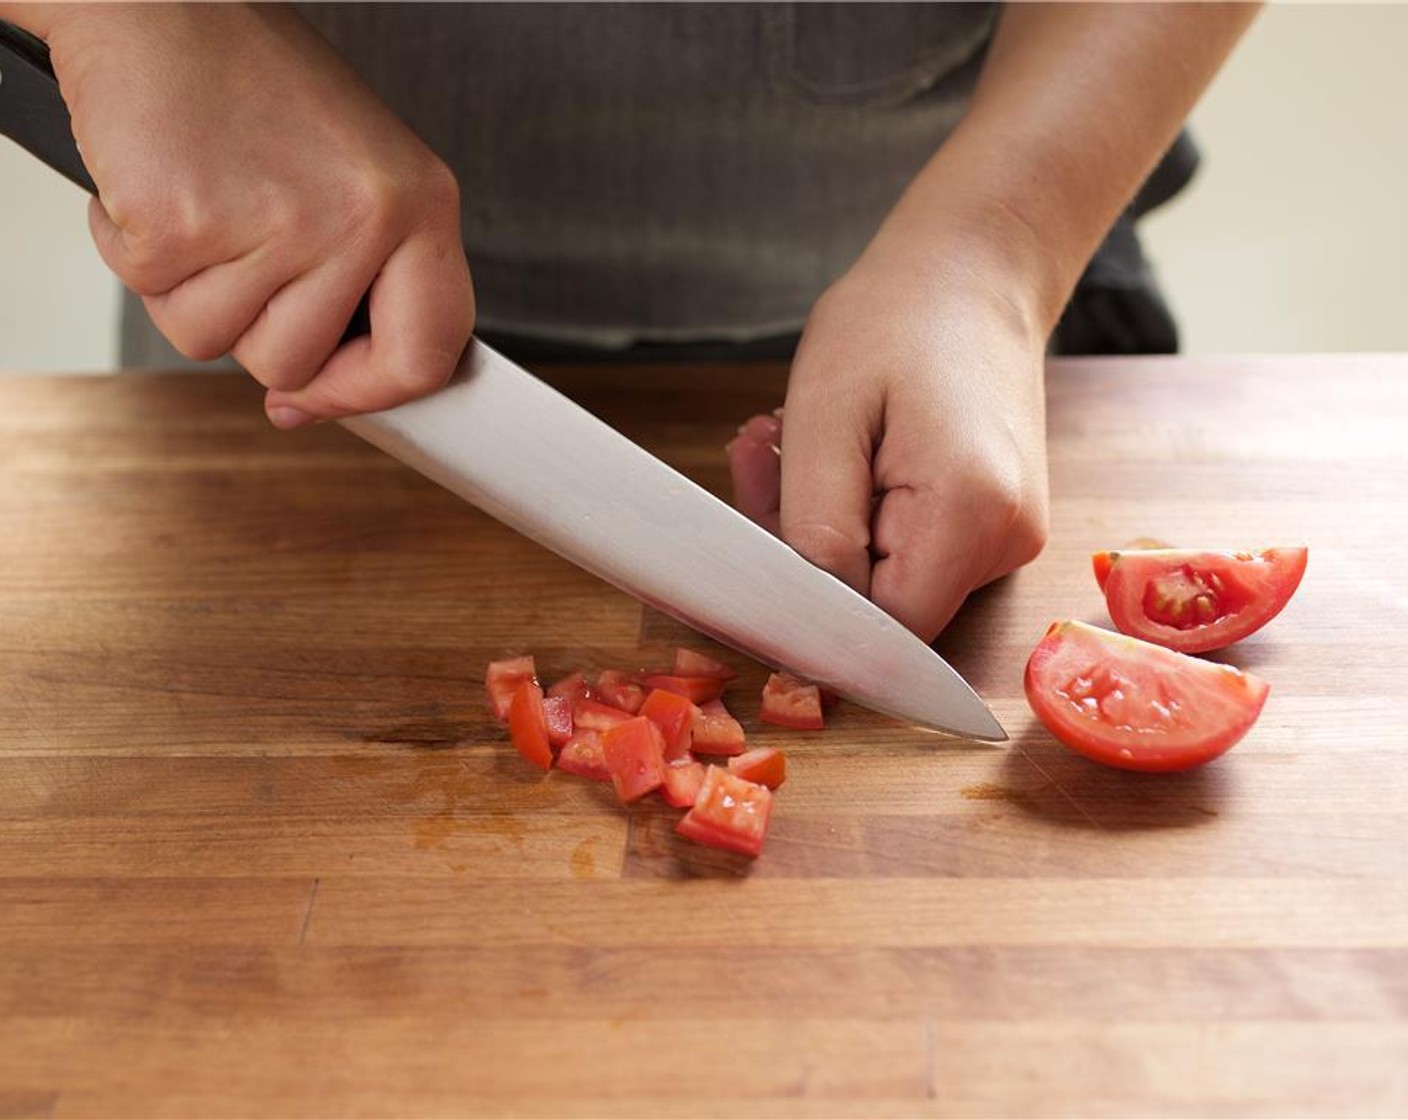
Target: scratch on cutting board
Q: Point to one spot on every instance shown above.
(308, 914)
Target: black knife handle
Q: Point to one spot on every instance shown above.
(34, 115)
(32, 112)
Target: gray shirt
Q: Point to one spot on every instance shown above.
(661, 172)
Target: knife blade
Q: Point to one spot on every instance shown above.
(543, 465)
(535, 460)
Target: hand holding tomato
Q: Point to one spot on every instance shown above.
(914, 460)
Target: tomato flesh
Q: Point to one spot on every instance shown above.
(573, 686)
(789, 702)
(596, 716)
(620, 690)
(765, 765)
(584, 756)
(695, 689)
(528, 727)
(1134, 705)
(692, 663)
(635, 755)
(716, 731)
(503, 678)
(557, 711)
(1194, 601)
(683, 780)
(729, 813)
(675, 716)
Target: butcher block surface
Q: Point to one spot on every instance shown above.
(265, 852)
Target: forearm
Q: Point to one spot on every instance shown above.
(1075, 106)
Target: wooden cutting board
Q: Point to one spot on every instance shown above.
(264, 852)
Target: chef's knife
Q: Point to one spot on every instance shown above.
(527, 455)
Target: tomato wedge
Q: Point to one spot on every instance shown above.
(729, 813)
(597, 716)
(789, 702)
(503, 678)
(557, 711)
(1135, 705)
(1194, 601)
(765, 765)
(573, 686)
(528, 727)
(635, 755)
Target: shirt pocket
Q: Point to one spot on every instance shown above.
(870, 54)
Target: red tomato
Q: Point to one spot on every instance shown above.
(574, 687)
(675, 717)
(683, 780)
(557, 711)
(502, 680)
(695, 689)
(1195, 601)
(765, 765)
(527, 726)
(620, 690)
(596, 716)
(789, 702)
(715, 731)
(583, 755)
(1135, 705)
(728, 813)
(692, 663)
(635, 755)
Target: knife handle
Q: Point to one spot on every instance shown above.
(33, 114)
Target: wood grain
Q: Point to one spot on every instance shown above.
(263, 851)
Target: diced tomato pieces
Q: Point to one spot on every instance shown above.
(695, 689)
(527, 726)
(692, 663)
(620, 690)
(765, 765)
(574, 687)
(584, 756)
(716, 731)
(683, 780)
(635, 755)
(789, 702)
(502, 680)
(675, 717)
(557, 710)
(597, 716)
(729, 813)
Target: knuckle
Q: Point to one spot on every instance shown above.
(825, 545)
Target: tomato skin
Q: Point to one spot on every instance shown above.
(789, 702)
(584, 756)
(1134, 705)
(765, 765)
(683, 780)
(528, 727)
(620, 690)
(503, 678)
(729, 813)
(697, 690)
(675, 717)
(635, 755)
(716, 731)
(692, 663)
(1193, 600)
